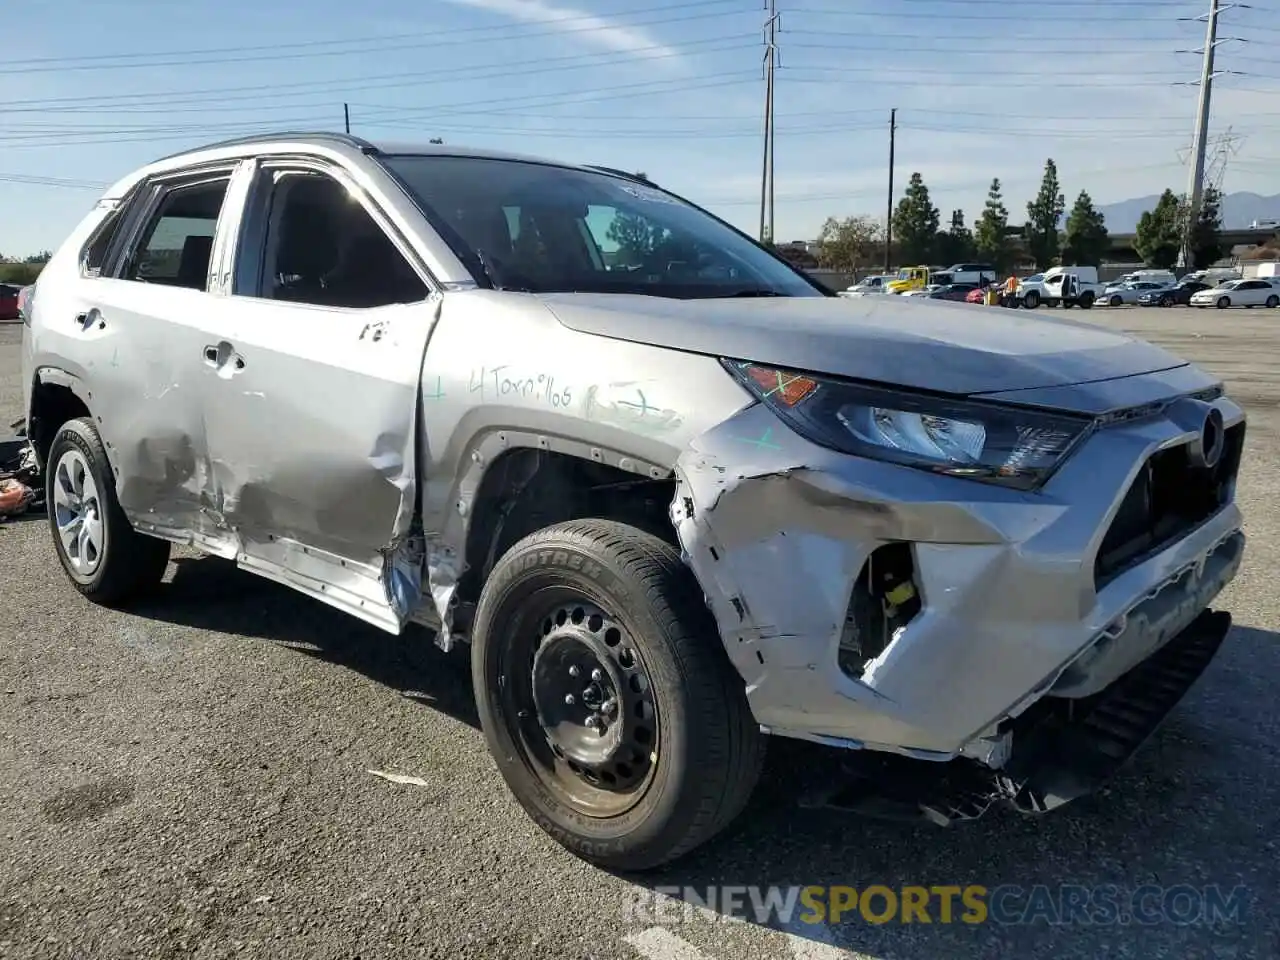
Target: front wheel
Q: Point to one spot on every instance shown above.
(1224, 302)
(1166, 301)
(1031, 300)
(103, 556)
(606, 697)
(1117, 301)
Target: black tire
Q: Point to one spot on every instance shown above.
(1086, 302)
(1117, 300)
(1273, 301)
(708, 748)
(1166, 301)
(129, 564)
(1031, 300)
(1224, 302)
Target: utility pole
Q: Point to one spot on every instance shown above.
(766, 174)
(888, 220)
(346, 117)
(1195, 182)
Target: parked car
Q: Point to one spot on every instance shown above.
(867, 287)
(1239, 293)
(926, 291)
(8, 301)
(954, 291)
(1179, 294)
(675, 501)
(1128, 293)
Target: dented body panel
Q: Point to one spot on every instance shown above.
(354, 454)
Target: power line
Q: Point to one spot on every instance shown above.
(255, 92)
(272, 52)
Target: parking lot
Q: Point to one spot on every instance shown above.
(192, 779)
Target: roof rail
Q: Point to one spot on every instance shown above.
(638, 178)
(345, 139)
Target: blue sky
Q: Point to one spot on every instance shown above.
(92, 88)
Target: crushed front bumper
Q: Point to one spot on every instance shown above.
(1064, 750)
(1015, 603)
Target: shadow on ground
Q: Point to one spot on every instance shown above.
(1179, 815)
(212, 594)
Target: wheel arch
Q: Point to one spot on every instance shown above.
(521, 482)
(56, 397)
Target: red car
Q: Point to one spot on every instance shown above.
(8, 301)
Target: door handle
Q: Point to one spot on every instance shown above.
(223, 358)
(90, 317)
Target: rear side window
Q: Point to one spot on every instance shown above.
(99, 246)
(176, 245)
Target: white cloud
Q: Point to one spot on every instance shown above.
(587, 27)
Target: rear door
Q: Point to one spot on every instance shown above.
(142, 314)
(311, 392)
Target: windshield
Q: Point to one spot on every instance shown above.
(1034, 278)
(540, 228)
(1230, 285)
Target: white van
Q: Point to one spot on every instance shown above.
(1151, 276)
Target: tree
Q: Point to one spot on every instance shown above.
(1087, 240)
(1043, 215)
(1206, 233)
(1159, 236)
(957, 243)
(915, 222)
(846, 244)
(635, 236)
(989, 234)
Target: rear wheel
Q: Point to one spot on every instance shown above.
(606, 698)
(1086, 301)
(103, 556)
(1273, 301)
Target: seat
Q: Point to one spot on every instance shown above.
(307, 252)
(193, 266)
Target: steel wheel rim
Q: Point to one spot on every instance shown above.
(77, 514)
(601, 771)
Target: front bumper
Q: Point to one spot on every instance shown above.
(779, 531)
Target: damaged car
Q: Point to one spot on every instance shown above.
(673, 497)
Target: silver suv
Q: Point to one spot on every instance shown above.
(675, 497)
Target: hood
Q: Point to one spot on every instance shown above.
(910, 342)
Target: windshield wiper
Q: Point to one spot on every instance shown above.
(751, 292)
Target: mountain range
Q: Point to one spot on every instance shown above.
(1238, 211)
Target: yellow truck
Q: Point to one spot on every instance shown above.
(909, 278)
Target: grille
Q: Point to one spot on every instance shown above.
(1169, 498)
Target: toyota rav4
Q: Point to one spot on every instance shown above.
(675, 497)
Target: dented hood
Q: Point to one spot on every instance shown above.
(952, 348)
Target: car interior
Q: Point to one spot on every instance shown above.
(324, 248)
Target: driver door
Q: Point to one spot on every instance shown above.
(312, 393)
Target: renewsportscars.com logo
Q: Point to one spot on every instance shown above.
(1007, 904)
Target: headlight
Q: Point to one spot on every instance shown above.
(1012, 446)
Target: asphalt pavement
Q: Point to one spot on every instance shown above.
(192, 779)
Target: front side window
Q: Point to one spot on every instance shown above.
(323, 248)
(175, 247)
(540, 228)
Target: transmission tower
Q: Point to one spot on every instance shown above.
(766, 175)
(1196, 178)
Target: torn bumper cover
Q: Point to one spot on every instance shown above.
(870, 605)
